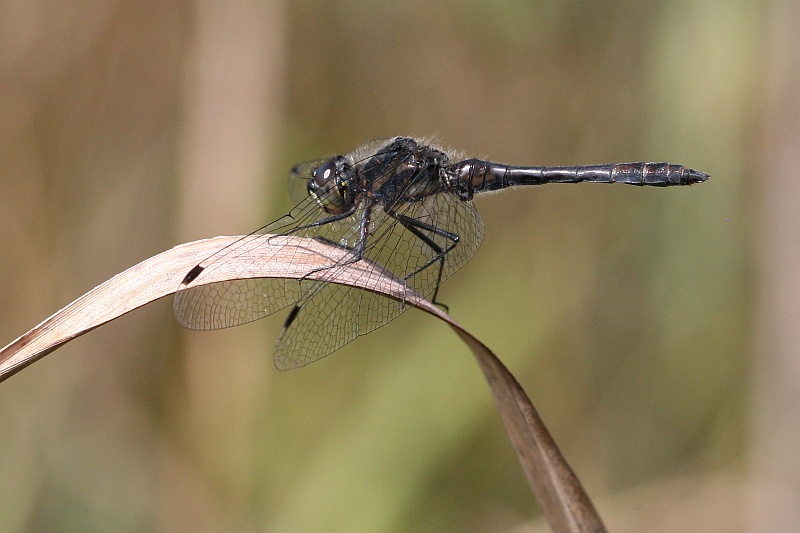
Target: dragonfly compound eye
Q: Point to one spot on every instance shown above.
(327, 188)
(323, 174)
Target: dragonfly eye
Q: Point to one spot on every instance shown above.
(323, 173)
(330, 192)
(321, 177)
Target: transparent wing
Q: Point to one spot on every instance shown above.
(422, 243)
(238, 301)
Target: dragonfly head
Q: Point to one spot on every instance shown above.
(329, 187)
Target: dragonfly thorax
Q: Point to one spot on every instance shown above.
(405, 171)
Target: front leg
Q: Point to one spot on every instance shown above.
(357, 251)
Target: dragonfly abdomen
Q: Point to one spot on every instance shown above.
(481, 176)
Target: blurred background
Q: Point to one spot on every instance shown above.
(654, 329)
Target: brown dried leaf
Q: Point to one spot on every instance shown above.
(564, 502)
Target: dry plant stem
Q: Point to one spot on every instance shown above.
(565, 504)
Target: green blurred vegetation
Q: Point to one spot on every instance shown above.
(626, 313)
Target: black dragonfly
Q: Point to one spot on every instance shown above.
(402, 203)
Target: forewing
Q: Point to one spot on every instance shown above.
(200, 305)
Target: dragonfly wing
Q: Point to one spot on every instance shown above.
(236, 301)
(440, 234)
(420, 242)
(331, 315)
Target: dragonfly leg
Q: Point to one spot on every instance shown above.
(326, 220)
(416, 227)
(357, 250)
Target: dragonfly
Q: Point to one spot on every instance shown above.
(402, 203)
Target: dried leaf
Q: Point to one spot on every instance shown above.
(565, 504)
